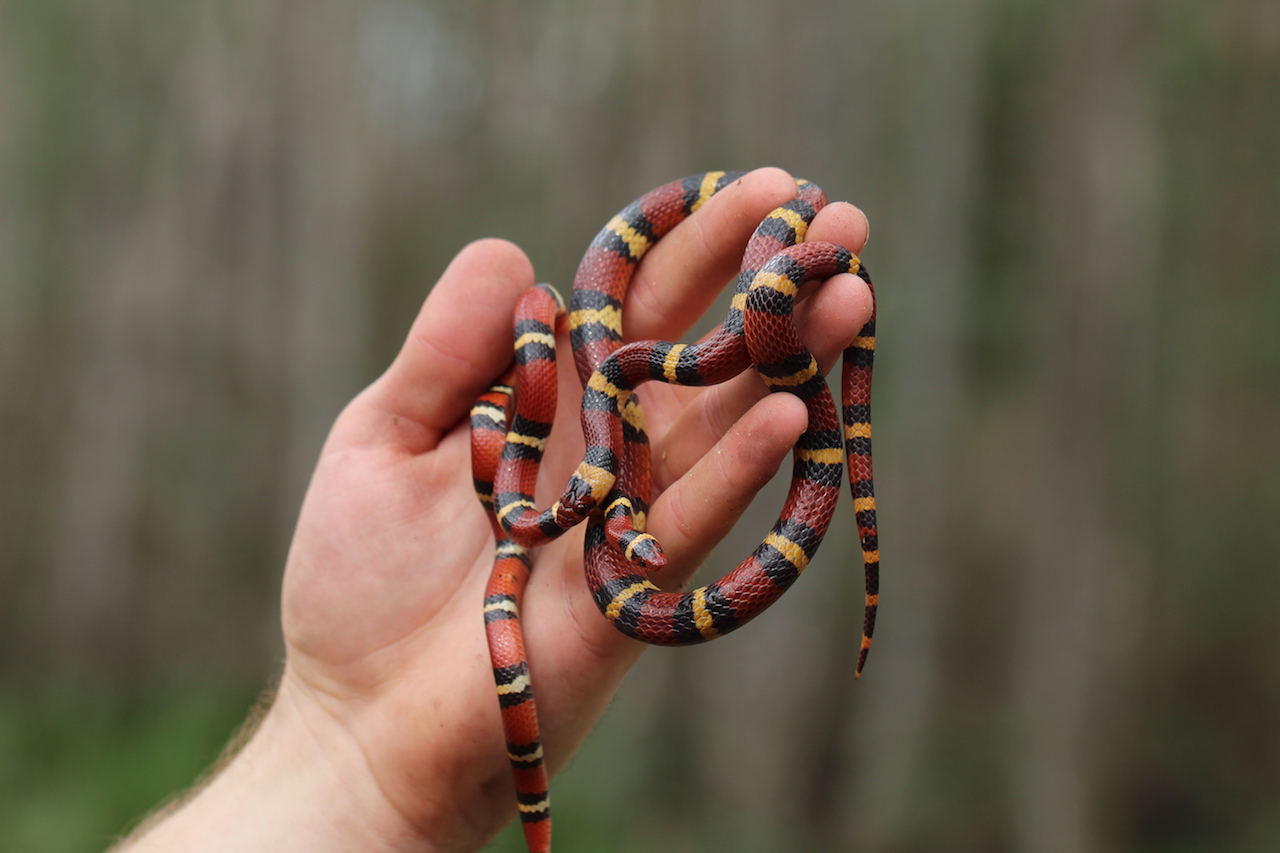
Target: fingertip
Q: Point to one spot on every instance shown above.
(855, 297)
(495, 259)
(831, 317)
(459, 342)
(756, 445)
(771, 183)
(843, 224)
(734, 212)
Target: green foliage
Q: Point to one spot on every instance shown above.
(77, 769)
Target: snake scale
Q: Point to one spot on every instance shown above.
(610, 489)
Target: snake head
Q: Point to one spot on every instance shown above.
(576, 503)
(587, 488)
(643, 550)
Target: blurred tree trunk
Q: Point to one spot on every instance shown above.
(16, 320)
(219, 308)
(328, 184)
(126, 244)
(929, 264)
(1095, 157)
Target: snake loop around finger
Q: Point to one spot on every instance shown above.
(610, 489)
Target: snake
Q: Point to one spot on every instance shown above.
(610, 489)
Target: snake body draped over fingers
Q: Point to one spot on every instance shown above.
(611, 488)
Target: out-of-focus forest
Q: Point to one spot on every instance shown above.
(218, 217)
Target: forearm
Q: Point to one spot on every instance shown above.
(299, 783)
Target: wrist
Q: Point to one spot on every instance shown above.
(301, 782)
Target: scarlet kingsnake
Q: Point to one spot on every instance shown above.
(611, 487)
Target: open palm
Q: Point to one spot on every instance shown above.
(386, 574)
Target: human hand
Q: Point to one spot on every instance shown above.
(387, 691)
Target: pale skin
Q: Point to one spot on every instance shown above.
(384, 733)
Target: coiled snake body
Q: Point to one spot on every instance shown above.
(610, 488)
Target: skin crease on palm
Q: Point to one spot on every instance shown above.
(385, 729)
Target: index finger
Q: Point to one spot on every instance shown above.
(684, 272)
(681, 276)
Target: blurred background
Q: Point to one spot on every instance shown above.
(218, 218)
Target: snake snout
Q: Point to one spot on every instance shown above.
(646, 553)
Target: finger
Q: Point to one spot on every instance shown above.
(828, 320)
(685, 271)
(831, 315)
(702, 506)
(460, 341)
(840, 223)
